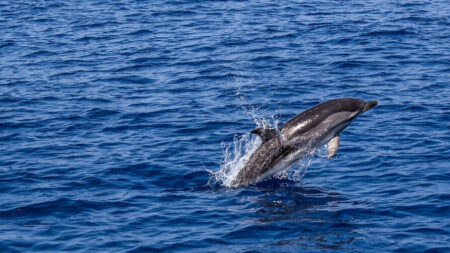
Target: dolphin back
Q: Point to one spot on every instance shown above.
(310, 118)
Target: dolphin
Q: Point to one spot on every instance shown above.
(282, 148)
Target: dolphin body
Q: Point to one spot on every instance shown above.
(308, 130)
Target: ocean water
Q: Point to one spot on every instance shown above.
(121, 122)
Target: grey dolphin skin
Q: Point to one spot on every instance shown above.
(308, 130)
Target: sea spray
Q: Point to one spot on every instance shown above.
(236, 155)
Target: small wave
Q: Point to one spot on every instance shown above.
(99, 112)
(128, 79)
(140, 32)
(7, 44)
(39, 53)
(350, 64)
(399, 32)
(64, 206)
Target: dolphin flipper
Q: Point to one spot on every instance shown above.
(333, 146)
(265, 133)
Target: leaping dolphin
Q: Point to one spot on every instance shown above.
(308, 130)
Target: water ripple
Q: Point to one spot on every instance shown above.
(112, 116)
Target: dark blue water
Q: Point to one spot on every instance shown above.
(112, 113)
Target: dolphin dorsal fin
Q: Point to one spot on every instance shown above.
(265, 133)
(333, 146)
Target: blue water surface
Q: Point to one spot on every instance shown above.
(112, 113)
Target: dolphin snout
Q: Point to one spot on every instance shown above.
(369, 105)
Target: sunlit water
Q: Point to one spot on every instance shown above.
(123, 122)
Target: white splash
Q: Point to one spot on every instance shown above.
(237, 154)
(235, 157)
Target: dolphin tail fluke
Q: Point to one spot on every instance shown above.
(265, 133)
(333, 146)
